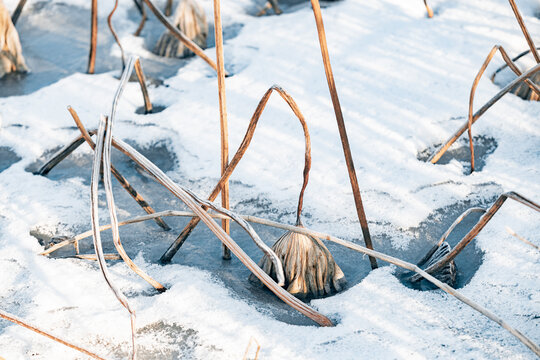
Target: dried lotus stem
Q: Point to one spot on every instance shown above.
(342, 131)
(18, 10)
(218, 32)
(143, 19)
(121, 179)
(505, 65)
(252, 340)
(168, 8)
(61, 154)
(16, 320)
(142, 82)
(429, 11)
(113, 32)
(93, 38)
(513, 233)
(350, 245)
(173, 249)
(94, 257)
(477, 228)
(95, 228)
(180, 35)
(444, 147)
(524, 30)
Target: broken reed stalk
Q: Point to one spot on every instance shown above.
(175, 246)
(142, 82)
(350, 245)
(93, 38)
(477, 228)
(512, 66)
(18, 10)
(180, 35)
(524, 30)
(107, 181)
(513, 233)
(444, 147)
(342, 131)
(448, 232)
(113, 32)
(142, 9)
(98, 153)
(195, 206)
(252, 340)
(16, 320)
(429, 11)
(121, 179)
(218, 32)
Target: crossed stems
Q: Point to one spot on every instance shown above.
(173, 249)
(488, 215)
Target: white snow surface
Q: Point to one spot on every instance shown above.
(404, 83)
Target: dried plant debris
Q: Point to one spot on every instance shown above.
(11, 57)
(190, 19)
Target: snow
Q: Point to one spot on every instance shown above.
(404, 84)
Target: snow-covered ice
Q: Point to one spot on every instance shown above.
(404, 83)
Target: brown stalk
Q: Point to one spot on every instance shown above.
(168, 8)
(142, 82)
(93, 38)
(143, 19)
(173, 249)
(342, 131)
(512, 66)
(94, 257)
(180, 35)
(121, 179)
(429, 11)
(513, 233)
(113, 32)
(16, 320)
(350, 245)
(61, 154)
(18, 11)
(195, 206)
(95, 227)
(218, 32)
(108, 182)
(252, 340)
(477, 228)
(443, 148)
(516, 58)
(524, 30)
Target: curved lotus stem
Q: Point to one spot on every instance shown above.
(505, 65)
(142, 9)
(305, 231)
(442, 149)
(173, 249)
(524, 30)
(477, 228)
(95, 228)
(113, 32)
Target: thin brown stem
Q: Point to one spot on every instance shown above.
(142, 82)
(516, 58)
(342, 131)
(524, 30)
(143, 20)
(173, 249)
(387, 258)
(477, 228)
(521, 238)
(93, 38)
(16, 320)
(218, 32)
(444, 147)
(429, 11)
(113, 32)
(168, 8)
(180, 35)
(121, 179)
(17, 13)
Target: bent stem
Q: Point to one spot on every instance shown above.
(244, 145)
(342, 131)
(142, 82)
(524, 30)
(305, 231)
(444, 147)
(218, 32)
(16, 320)
(95, 226)
(477, 228)
(113, 32)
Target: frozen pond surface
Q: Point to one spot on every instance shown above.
(203, 250)
(7, 158)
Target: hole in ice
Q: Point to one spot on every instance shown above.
(155, 109)
(7, 157)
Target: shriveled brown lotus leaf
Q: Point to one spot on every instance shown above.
(191, 20)
(310, 269)
(11, 58)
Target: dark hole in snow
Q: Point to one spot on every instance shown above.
(155, 109)
(7, 158)
(483, 147)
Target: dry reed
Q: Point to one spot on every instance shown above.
(93, 38)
